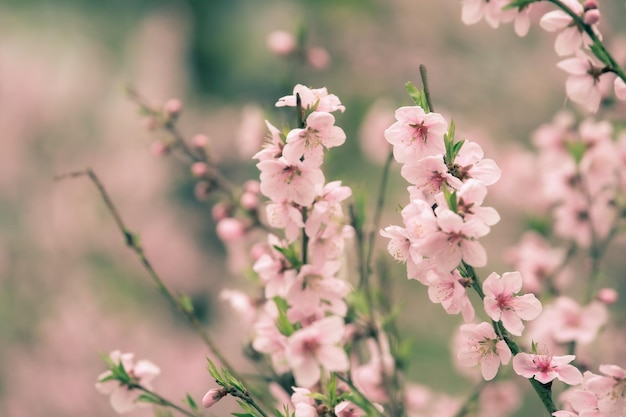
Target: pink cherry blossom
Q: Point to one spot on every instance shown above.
(455, 241)
(546, 368)
(268, 339)
(582, 85)
(416, 134)
(281, 180)
(317, 346)
(304, 404)
(284, 215)
(312, 98)
(501, 303)
(274, 144)
(470, 197)
(429, 175)
(320, 132)
(483, 347)
(124, 399)
(469, 163)
(213, 396)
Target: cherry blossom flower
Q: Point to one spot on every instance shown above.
(470, 198)
(123, 398)
(455, 241)
(429, 175)
(284, 215)
(316, 346)
(304, 404)
(582, 85)
(545, 368)
(501, 303)
(281, 180)
(312, 98)
(416, 134)
(483, 347)
(274, 144)
(320, 132)
(469, 163)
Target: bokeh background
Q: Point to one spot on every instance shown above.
(68, 286)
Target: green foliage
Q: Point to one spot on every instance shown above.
(291, 254)
(418, 96)
(282, 322)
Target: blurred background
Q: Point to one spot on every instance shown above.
(69, 288)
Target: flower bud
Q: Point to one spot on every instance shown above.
(212, 396)
(249, 201)
(219, 211)
(318, 58)
(590, 4)
(230, 229)
(200, 141)
(252, 186)
(158, 148)
(199, 169)
(173, 107)
(592, 16)
(608, 296)
(281, 42)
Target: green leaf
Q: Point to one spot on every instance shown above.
(213, 371)
(186, 303)
(149, 398)
(283, 324)
(192, 404)
(416, 94)
(576, 150)
(450, 199)
(291, 254)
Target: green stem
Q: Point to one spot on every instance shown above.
(424, 77)
(164, 402)
(244, 396)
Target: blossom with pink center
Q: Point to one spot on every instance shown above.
(327, 211)
(501, 303)
(455, 241)
(492, 11)
(446, 289)
(429, 175)
(483, 347)
(316, 99)
(583, 403)
(315, 347)
(281, 180)
(582, 86)
(123, 398)
(570, 38)
(545, 368)
(320, 132)
(469, 163)
(416, 134)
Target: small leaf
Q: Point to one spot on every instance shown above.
(192, 404)
(186, 303)
(149, 398)
(283, 324)
(213, 371)
(415, 94)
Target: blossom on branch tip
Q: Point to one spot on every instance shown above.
(313, 99)
(320, 132)
(491, 10)
(546, 368)
(416, 134)
(583, 84)
(501, 303)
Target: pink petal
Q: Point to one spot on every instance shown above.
(511, 282)
(570, 375)
(307, 373)
(555, 20)
(503, 352)
(474, 253)
(527, 306)
(489, 366)
(523, 365)
(333, 358)
(512, 322)
(620, 88)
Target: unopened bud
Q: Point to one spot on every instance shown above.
(590, 4)
(230, 229)
(173, 107)
(200, 141)
(318, 58)
(252, 186)
(249, 201)
(281, 42)
(212, 396)
(199, 169)
(592, 16)
(158, 148)
(608, 296)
